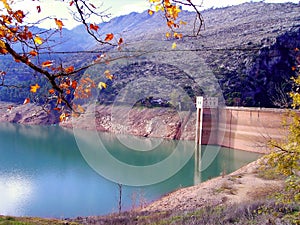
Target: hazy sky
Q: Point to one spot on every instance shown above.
(57, 8)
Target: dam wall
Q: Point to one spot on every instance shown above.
(243, 128)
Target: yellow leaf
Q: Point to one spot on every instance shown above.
(6, 5)
(63, 117)
(34, 88)
(38, 40)
(174, 45)
(102, 85)
(108, 75)
(168, 35)
(159, 7)
(150, 12)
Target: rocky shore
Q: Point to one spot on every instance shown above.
(242, 187)
(156, 122)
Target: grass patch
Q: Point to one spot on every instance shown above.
(9, 220)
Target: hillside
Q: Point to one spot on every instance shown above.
(244, 56)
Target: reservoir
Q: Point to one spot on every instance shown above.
(46, 171)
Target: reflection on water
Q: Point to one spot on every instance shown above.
(15, 191)
(42, 172)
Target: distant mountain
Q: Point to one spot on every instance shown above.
(245, 53)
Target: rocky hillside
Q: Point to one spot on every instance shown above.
(245, 56)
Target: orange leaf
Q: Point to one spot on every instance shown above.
(63, 117)
(51, 91)
(70, 69)
(34, 88)
(47, 63)
(33, 53)
(26, 101)
(89, 80)
(68, 91)
(81, 109)
(120, 41)
(19, 16)
(59, 23)
(109, 37)
(57, 109)
(94, 27)
(74, 84)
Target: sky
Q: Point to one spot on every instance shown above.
(58, 9)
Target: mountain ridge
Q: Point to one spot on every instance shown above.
(241, 50)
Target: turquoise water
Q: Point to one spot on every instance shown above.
(43, 173)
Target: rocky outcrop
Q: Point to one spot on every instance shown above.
(26, 114)
(156, 122)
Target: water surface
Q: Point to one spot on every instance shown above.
(43, 173)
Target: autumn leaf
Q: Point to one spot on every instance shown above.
(176, 35)
(74, 84)
(47, 63)
(19, 16)
(102, 85)
(174, 45)
(159, 7)
(71, 3)
(108, 75)
(38, 40)
(6, 5)
(69, 69)
(94, 27)
(81, 109)
(3, 48)
(109, 37)
(59, 23)
(34, 88)
(68, 91)
(38, 9)
(93, 5)
(170, 23)
(168, 35)
(150, 12)
(63, 117)
(33, 53)
(120, 41)
(51, 91)
(26, 101)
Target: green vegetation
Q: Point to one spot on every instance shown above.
(8, 220)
